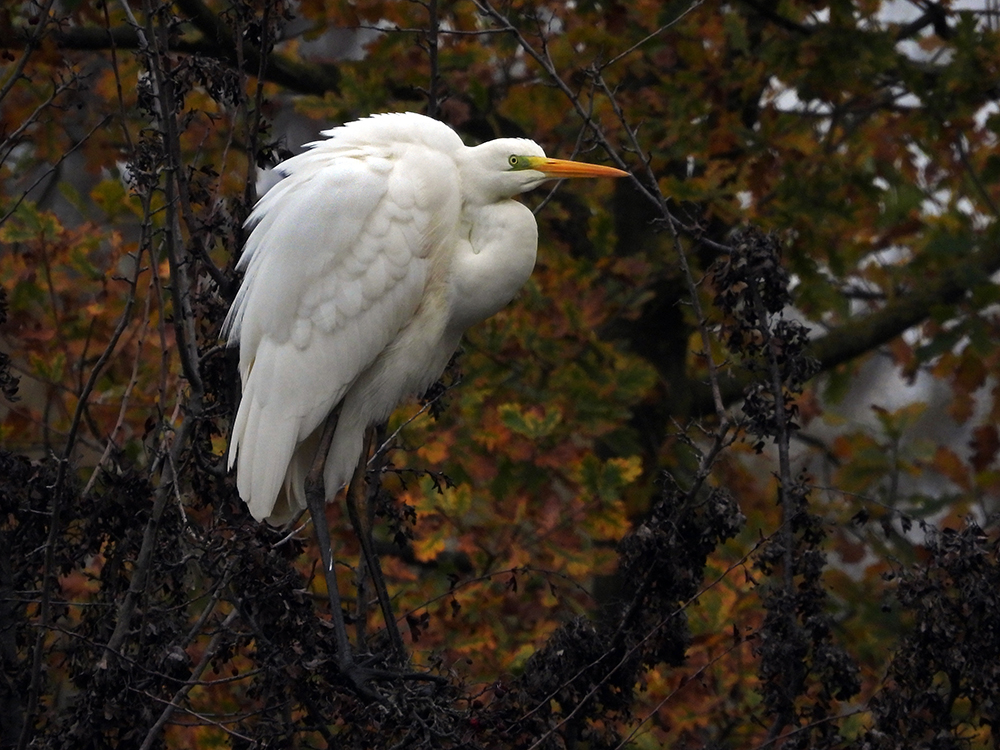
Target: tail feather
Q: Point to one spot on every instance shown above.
(345, 451)
(292, 498)
(265, 443)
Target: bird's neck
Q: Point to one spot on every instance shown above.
(495, 260)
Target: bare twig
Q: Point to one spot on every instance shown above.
(48, 570)
(126, 396)
(628, 653)
(53, 168)
(175, 702)
(137, 585)
(33, 39)
(684, 683)
(431, 35)
(652, 35)
(172, 443)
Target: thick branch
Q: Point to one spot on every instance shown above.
(856, 338)
(863, 335)
(292, 74)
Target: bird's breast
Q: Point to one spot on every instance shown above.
(492, 259)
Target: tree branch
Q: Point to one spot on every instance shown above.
(295, 75)
(862, 335)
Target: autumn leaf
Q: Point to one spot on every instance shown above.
(985, 443)
(533, 423)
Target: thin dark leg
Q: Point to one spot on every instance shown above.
(357, 501)
(358, 675)
(316, 502)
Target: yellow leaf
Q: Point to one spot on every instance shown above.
(428, 546)
(433, 452)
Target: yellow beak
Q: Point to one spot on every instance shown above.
(564, 168)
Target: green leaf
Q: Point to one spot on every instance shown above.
(530, 423)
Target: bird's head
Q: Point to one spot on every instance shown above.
(507, 166)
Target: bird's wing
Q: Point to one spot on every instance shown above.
(336, 265)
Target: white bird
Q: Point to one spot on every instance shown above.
(366, 264)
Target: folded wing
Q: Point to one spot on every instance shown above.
(338, 262)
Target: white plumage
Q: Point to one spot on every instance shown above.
(366, 263)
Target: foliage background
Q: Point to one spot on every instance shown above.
(724, 474)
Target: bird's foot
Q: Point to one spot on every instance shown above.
(360, 676)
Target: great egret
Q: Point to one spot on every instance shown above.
(366, 263)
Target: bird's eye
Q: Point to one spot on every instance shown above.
(513, 160)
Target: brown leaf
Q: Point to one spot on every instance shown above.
(947, 462)
(985, 443)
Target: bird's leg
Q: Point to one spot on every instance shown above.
(369, 519)
(358, 511)
(316, 502)
(361, 608)
(358, 675)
